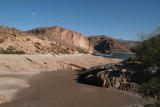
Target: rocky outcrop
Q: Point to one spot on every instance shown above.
(105, 44)
(120, 76)
(64, 36)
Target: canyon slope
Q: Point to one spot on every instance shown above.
(105, 44)
(63, 36)
(52, 40)
(14, 41)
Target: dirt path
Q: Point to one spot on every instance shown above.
(60, 89)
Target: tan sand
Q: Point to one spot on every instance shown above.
(60, 89)
(24, 86)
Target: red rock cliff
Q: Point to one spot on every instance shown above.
(64, 35)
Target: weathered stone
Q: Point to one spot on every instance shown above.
(114, 82)
(108, 83)
(113, 76)
(2, 99)
(123, 70)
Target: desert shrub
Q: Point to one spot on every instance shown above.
(141, 77)
(132, 58)
(11, 50)
(28, 39)
(52, 44)
(37, 51)
(148, 53)
(151, 89)
(38, 43)
(80, 50)
(14, 29)
(40, 37)
(1, 40)
(1, 50)
(19, 52)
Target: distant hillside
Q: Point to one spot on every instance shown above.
(105, 44)
(63, 36)
(130, 43)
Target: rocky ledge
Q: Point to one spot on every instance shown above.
(120, 76)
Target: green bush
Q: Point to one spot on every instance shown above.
(38, 43)
(11, 50)
(151, 89)
(80, 50)
(1, 40)
(1, 51)
(52, 44)
(19, 52)
(28, 39)
(149, 52)
(132, 58)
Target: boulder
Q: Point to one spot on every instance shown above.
(119, 76)
(2, 98)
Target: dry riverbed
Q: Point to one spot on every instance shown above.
(50, 80)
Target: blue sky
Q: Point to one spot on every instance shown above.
(121, 19)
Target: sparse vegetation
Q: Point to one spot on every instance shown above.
(132, 58)
(28, 39)
(20, 52)
(151, 89)
(1, 40)
(80, 50)
(148, 53)
(37, 51)
(38, 43)
(40, 37)
(11, 50)
(52, 44)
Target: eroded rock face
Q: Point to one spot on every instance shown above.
(106, 44)
(119, 76)
(63, 35)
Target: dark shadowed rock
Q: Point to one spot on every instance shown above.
(106, 44)
(119, 76)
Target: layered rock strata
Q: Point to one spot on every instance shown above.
(62, 35)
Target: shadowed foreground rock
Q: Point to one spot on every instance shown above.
(120, 76)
